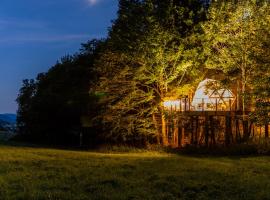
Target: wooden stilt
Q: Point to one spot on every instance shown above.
(238, 136)
(206, 130)
(192, 129)
(179, 133)
(212, 129)
(196, 130)
(245, 130)
(228, 130)
(266, 131)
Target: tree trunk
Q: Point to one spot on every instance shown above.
(155, 121)
(164, 131)
(246, 134)
(266, 131)
(243, 90)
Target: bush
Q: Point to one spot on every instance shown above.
(232, 150)
(262, 145)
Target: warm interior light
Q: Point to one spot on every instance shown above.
(172, 104)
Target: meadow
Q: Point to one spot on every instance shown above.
(43, 173)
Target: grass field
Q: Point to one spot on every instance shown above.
(39, 173)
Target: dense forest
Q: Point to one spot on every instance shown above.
(154, 50)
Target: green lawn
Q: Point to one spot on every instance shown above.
(38, 173)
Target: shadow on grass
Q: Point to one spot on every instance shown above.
(22, 144)
(233, 151)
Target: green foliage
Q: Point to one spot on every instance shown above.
(25, 102)
(148, 60)
(236, 44)
(262, 145)
(243, 149)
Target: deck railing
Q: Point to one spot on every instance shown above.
(202, 104)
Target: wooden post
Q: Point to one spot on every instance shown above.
(202, 104)
(170, 129)
(238, 135)
(216, 105)
(179, 133)
(185, 104)
(212, 128)
(175, 132)
(192, 129)
(183, 135)
(246, 133)
(230, 104)
(228, 130)
(196, 130)
(206, 130)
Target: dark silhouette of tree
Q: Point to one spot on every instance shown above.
(50, 107)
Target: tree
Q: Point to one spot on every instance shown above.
(231, 33)
(50, 107)
(24, 113)
(260, 80)
(237, 42)
(146, 69)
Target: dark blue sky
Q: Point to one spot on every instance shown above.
(34, 34)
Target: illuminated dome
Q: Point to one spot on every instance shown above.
(209, 96)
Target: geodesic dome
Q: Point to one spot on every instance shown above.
(213, 98)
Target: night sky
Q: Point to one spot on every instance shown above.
(34, 34)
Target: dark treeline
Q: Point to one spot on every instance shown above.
(154, 50)
(50, 107)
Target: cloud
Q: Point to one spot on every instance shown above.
(17, 31)
(93, 2)
(20, 24)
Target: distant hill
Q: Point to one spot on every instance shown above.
(7, 126)
(9, 118)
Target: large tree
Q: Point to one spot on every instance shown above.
(156, 60)
(233, 36)
(237, 43)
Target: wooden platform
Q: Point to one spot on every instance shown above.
(212, 113)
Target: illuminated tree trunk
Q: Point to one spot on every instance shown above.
(155, 120)
(164, 131)
(238, 96)
(266, 131)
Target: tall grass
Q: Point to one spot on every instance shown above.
(40, 173)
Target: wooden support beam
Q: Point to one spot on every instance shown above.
(266, 131)
(212, 129)
(196, 130)
(228, 130)
(206, 129)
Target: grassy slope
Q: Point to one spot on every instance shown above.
(29, 173)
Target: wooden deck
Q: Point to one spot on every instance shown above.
(206, 128)
(212, 113)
